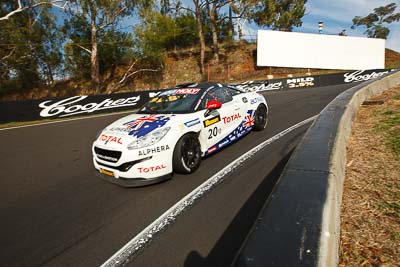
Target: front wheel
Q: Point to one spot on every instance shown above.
(260, 118)
(187, 154)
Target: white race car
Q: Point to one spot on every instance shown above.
(174, 130)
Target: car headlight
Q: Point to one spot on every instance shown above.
(149, 139)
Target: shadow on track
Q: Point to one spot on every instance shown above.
(227, 247)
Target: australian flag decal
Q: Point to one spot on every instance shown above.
(244, 127)
(146, 124)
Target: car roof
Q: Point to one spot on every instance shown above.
(205, 85)
(202, 86)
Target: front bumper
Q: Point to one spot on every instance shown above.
(133, 182)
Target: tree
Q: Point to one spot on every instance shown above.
(30, 46)
(101, 15)
(374, 22)
(22, 6)
(198, 6)
(212, 13)
(220, 25)
(158, 33)
(281, 15)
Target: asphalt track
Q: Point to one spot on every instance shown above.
(55, 212)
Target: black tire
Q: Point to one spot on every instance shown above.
(260, 118)
(187, 154)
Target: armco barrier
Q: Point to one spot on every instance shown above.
(300, 223)
(30, 110)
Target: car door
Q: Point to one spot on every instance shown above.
(220, 122)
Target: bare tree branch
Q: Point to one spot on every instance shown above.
(80, 46)
(129, 74)
(9, 54)
(56, 3)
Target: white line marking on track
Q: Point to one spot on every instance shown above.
(66, 120)
(123, 256)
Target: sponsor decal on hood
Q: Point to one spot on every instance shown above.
(143, 125)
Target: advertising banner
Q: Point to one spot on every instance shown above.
(32, 110)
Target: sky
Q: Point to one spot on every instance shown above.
(338, 15)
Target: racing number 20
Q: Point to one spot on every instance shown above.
(212, 132)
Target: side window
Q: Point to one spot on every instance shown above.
(217, 94)
(226, 95)
(234, 91)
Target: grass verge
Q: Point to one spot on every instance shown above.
(370, 215)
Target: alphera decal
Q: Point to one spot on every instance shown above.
(154, 150)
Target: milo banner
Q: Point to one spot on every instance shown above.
(314, 80)
(31, 110)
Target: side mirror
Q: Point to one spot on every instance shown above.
(211, 105)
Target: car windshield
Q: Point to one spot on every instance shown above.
(172, 101)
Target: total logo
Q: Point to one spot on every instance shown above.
(231, 118)
(152, 169)
(109, 138)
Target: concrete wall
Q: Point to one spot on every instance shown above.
(300, 223)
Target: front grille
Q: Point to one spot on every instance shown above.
(124, 167)
(107, 155)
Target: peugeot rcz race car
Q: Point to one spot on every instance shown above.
(174, 130)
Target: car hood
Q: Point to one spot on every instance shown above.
(129, 128)
(138, 125)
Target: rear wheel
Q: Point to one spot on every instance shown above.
(187, 154)
(260, 118)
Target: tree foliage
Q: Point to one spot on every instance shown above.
(114, 48)
(375, 22)
(30, 47)
(279, 14)
(46, 40)
(101, 15)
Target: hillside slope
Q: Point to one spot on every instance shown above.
(238, 62)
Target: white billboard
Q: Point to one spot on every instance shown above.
(320, 51)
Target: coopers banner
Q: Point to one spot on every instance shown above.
(31, 110)
(314, 81)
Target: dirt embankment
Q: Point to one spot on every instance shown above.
(238, 62)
